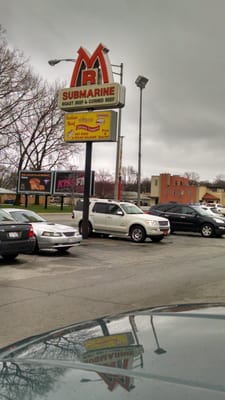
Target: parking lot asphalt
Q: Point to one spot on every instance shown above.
(104, 276)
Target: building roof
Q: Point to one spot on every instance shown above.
(7, 191)
(209, 196)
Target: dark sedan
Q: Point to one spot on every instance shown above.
(15, 238)
(174, 352)
(190, 218)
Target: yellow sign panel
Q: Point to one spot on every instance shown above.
(120, 339)
(90, 126)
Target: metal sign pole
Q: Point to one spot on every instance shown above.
(87, 182)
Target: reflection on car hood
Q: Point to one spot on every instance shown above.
(51, 226)
(174, 352)
(151, 217)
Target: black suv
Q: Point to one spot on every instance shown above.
(190, 218)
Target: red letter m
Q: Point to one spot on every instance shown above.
(99, 59)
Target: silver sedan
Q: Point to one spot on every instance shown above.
(48, 234)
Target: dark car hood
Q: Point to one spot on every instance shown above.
(175, 352)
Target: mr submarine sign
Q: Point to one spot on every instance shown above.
(92, 85)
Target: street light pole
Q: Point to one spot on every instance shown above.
(117, 188)
(141, 82)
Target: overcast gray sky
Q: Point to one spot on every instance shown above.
(178, 44)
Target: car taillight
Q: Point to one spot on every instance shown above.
(31, 232)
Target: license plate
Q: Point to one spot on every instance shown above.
(13, 235)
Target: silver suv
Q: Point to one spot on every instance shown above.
(121, 219)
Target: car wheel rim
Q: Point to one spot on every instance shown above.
(137, 235)
(207, 230)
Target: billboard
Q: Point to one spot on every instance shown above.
(92, 85)
(97, 126)
(35, 182)
(71, 183)
(110, 95)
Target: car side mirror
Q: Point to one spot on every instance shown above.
(119, 212)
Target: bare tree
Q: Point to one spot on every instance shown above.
(104, 184)
(103, 176)
(146, 185)
(16, 81)
(31, 124)
(193, 177)
(129, 175)
(220, 181)
(39, 134)
(8, 177)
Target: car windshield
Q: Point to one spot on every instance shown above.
(26, 216)
(204, 211)
(131, 209)
(213, 211)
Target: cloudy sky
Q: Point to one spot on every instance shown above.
(179, 45)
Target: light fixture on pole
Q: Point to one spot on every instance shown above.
(141, 82)
(56, 61)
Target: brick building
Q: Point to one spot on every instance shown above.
(167, 188)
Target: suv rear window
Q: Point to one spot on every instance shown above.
(105, 208)
(79, 205)
(101, 208)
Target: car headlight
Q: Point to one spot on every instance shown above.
(153, 223)
(219, 221)
(51, 234)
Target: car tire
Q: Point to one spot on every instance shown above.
(90, 229)
(9, 257)
(156, 239)
(36, 247)
(137, 234)
(207, 230)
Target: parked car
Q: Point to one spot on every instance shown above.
(174, 352)
(218, 207)
(190, 218)
(121, 219)
(15, 238)
(213, 210)
(48, 235)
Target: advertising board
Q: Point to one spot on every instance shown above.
(71, 183)
(64, 183)
(90, 126)
(39, 182)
